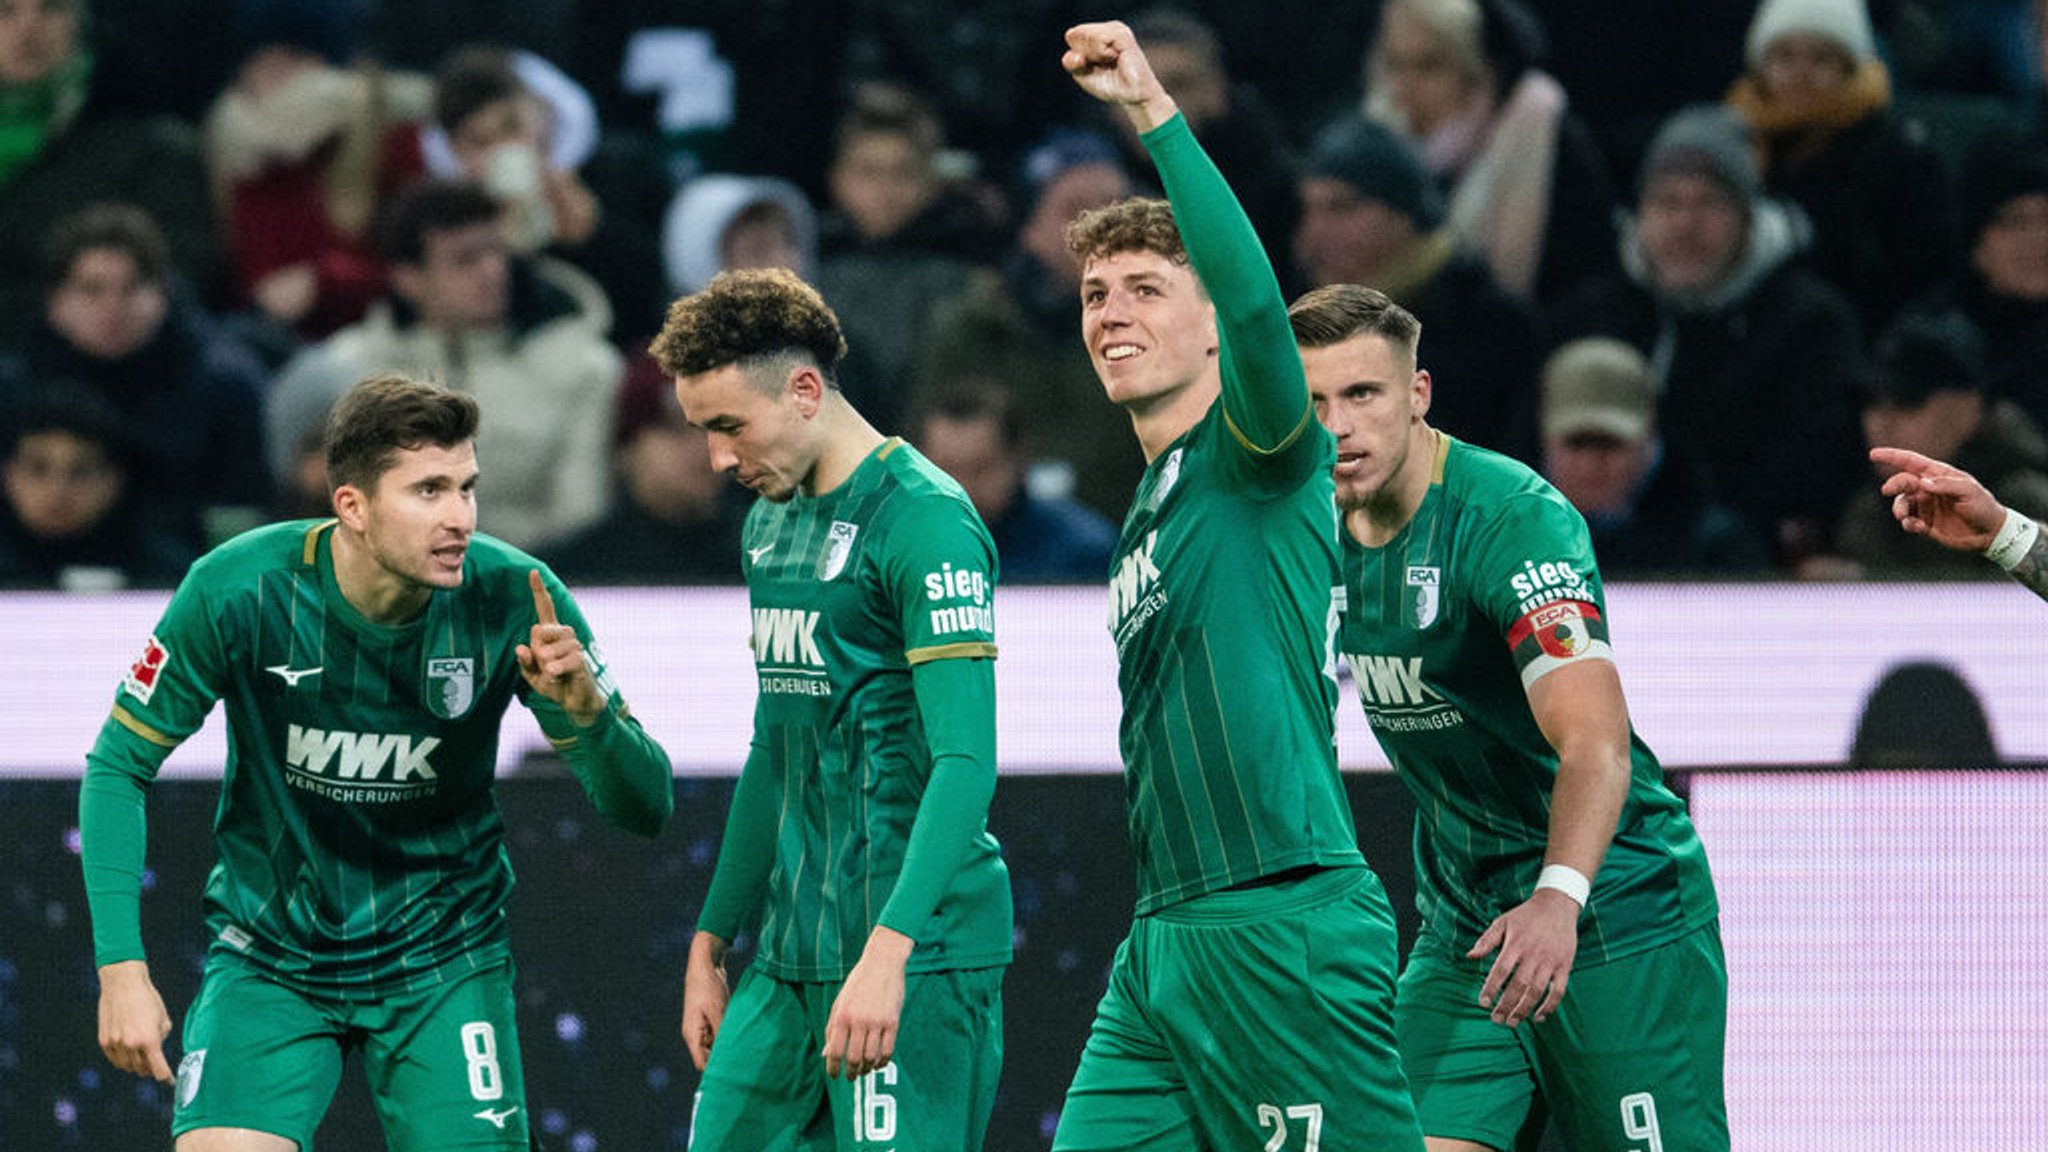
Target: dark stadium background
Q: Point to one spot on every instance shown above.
(600, 921)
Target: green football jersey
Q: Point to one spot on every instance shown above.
(1489, 587)
(1222, 593)
(850, 590)
(360, 849)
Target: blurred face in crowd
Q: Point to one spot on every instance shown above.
(105, 307)
(2012, 251)
(1692, 231)
(1596, 471)
(1197, 82)
(667, 467)
(35, 37)
(970, 449)
(515, 121)
(760, 237)
(1370, 396)
(881, 182)
(1937, 426)
(1424, 76)
(60, 484)
(1078, 189)
(463, 281)
(1345, 237)
(270, 68)
(1801, 70)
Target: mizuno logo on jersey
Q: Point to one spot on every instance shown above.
(290, 675)
(365, 757)
(497, 1116)
(786, 636)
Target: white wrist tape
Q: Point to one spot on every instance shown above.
(1568, 880)
(2014, 540)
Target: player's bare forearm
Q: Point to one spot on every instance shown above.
(1582, 713)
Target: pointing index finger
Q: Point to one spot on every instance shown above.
(543, 604)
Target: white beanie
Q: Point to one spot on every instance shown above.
(1846, 22)
(693, 231)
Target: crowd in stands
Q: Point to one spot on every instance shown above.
(1688, 259)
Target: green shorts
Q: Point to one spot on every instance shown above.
(1249, 1018)
(765, 1089)
(1631, 1059)
(443, 1064)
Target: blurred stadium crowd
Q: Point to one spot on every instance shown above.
(1687, 259)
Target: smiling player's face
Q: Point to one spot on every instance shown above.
(1149, 328)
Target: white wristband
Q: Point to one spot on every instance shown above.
(1568, 880)
(2014, 540)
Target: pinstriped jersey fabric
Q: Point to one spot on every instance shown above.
(1221, 593)
(1492, 584)
(361, 851)
(849, 590)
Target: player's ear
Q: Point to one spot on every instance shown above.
(1424, 388)
(351, 506)
(808, 386)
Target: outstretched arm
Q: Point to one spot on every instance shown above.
(1265, 396)
(1949, 506)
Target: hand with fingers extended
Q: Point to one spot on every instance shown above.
(1939, 501)
(554, 663)
(133, 1022)
(705, 995)
(1105, 60)
(1537, 941)
(860, 1033)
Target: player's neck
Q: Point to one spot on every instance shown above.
(381, 596)
(1382, 517)
(1161, 420)
(848, 440)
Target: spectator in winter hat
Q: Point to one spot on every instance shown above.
(1820, 102)
(1370, 215)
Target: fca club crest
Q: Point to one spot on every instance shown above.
(838, 550)
(451, 686)
(1169, 475)
(1422, 596)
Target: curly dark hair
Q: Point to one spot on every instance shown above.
(1136, 224)
(748, 315)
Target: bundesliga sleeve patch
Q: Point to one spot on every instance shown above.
(1555, 633)
(142, 675)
